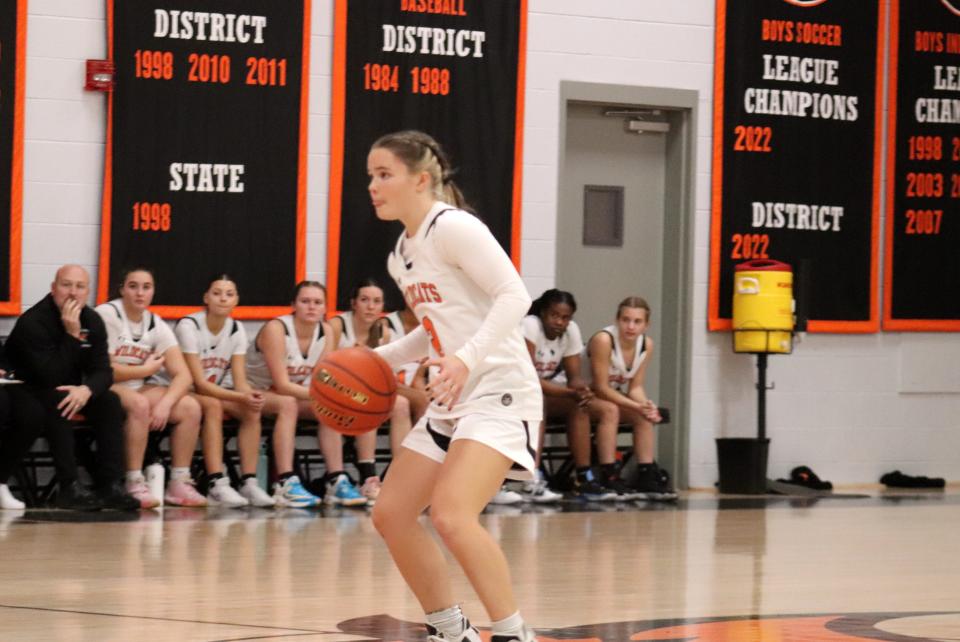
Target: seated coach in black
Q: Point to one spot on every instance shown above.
(59, 349)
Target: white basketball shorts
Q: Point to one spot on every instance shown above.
(516, 439)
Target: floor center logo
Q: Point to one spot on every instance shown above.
(839, 627)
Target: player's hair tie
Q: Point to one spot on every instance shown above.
(436, 154)
(447, 175)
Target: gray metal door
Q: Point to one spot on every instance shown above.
(602, 158)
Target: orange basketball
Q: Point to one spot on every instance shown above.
(353, 390)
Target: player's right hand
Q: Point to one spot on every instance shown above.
(70, 317)
(154, 363)
(254, 400)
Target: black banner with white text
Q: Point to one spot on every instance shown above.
(206, 149)
(922, 252)
(451, 68)
(13, 28)
(796, 160)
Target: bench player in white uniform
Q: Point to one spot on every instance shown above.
(411, 382)
(141, 344)
(486, 402)
(279, 362)
(555, 345)
(215, 344)
(619, 355)
(365, 325)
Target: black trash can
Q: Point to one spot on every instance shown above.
(743, 465)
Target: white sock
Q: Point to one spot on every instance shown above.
(180, 474)
(8, 501)
(450, 622)
(134, 476)
(512, 625)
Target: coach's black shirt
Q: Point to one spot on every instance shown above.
(44, 355)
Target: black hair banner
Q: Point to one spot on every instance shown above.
(922, 252)
(796, 152)
(13, 32)
(451, 68)
(206, 149)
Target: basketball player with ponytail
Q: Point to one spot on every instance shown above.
(555, 345)
(483, 421)
(619, 355)
(279, 362)
(214, 346)
(141, 344)
(362, 325)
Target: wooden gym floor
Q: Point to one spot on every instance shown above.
(884, 566)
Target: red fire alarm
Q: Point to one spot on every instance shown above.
(100, 75)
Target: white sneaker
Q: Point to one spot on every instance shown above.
(469, 635)
(538, 492)
(258, 497)
(506, 496)
(222, 494)
(526, 635)
(8, 501)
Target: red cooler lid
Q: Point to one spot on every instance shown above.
(763, 265)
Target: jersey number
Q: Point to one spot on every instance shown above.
(432, 331)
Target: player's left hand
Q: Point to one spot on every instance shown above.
(651, 412)
(445, 387)
(584, 396)
(160, 415)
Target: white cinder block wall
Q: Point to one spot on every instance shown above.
(852, 407)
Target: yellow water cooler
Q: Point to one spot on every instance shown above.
(763, 308)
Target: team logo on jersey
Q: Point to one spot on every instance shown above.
(506, 399)
(853, 627)
(949, 4)
(132, 352)
(417, 293)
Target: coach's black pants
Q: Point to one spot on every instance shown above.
(21, 420)
(103, 413)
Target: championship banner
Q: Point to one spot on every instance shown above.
(922, 252)
(451, 68)
(206, 149)
(796, 152)
(13, 33)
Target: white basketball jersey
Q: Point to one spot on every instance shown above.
(299, 365)
(130, 344)
(620, 374)
(347, 338)
(548, 355)
(451, 308)
(214, 350)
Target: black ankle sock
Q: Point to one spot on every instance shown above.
(610, 471)
(583, 472)
(282, 477)
(244, 478)
(366, 469)
(333, 474)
